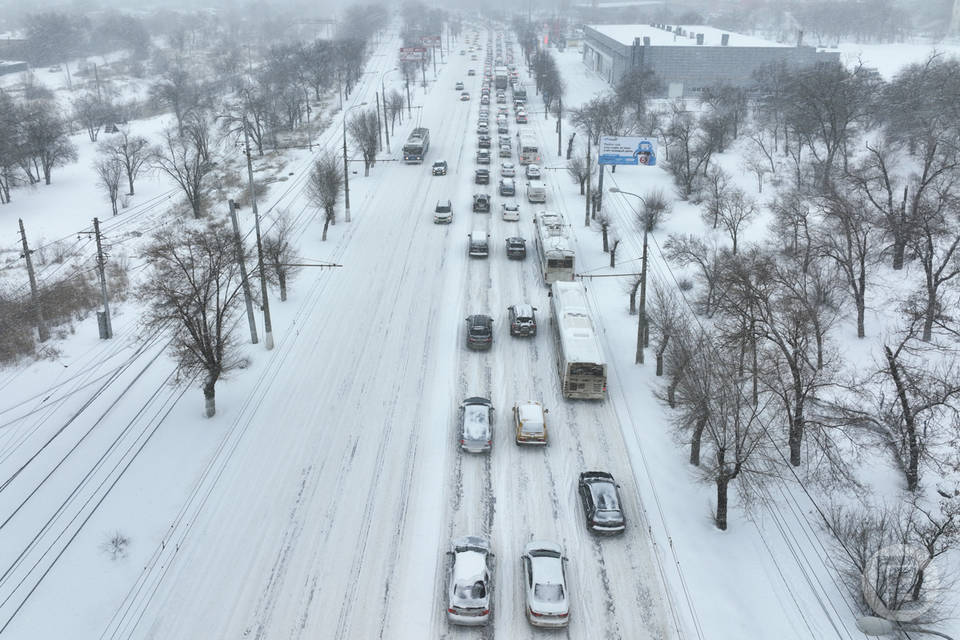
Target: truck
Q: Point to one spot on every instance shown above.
(416, 146)
(501, 76)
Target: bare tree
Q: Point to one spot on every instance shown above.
(193, 293)
(577, 168)
(92, 113)
(716, 183)
(364, 131)
(656, 207)
(110, 172)
(279, 254)
(738, 210)
(177, 91)
(196, 127)
(689, 250)
(792, 226)
(131, 151)
(759, 166)
(325, 187)
(46, 140)
(690, 150)
(183, 162)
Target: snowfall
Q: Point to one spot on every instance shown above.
(320, 500)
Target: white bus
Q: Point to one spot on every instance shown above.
(580, 362)
(554, 247)
(527, 148)
(416, 145)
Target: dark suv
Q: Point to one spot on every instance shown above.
(481, 203)
(481, 176)
(479, 332)
(440, 168)
(516, 248)
(523, 322)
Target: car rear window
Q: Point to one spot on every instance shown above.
(548, 592)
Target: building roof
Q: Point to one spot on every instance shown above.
(625, 33)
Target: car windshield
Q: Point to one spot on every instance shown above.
(548, 592)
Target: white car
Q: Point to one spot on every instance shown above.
(468, 595)
(533, 172)
(511, 211)
(507, 169)
(545, 581)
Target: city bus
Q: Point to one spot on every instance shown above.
(580, 363)
(416, 146)
(527, 148)
(554, 247)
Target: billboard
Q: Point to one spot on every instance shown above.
(412, 54)
(430, 41)
(627, 150)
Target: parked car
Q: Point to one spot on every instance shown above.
(523, 320)
(481, 176)
(443, 213)
(507, 187)
(464, 96)
(529, 422)
(516, 248)
(479, 331)
(458, 86)
(468, 594)
(545, 582)
(440, 168)
(510, 211)
(533, 172)
(481, 203)
(601, 502)
(483, 141)
(476, 423)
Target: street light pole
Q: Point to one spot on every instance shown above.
(267, 326)
(642, 319)
(383, 94)
(346, 171)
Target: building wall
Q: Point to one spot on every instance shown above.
(688, 69)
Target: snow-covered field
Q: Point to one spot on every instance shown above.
(319, 502)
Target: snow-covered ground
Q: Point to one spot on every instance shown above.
(319, 502)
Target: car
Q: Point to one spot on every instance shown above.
(505, 151)
(536, 192)
(468, 594)
(439, 168)
(473, 56)
(510, 211)
(507, 187)
(481, 176)
(507, 169)
(54, 68)
(503, 111)
(501, 99)
(462, 52)
(483, 156)
(485, 99)
(464, 96)
(521, 117)
(476, 424)
(483, 130)
(523, 320)
(545, 584)
(471, 72)
(502, 127)
(483, 141)
(479, 331)
(481, 203)
(443, 212)
(529, 422)
(533, 172)
(601, 502)
(458, 86)
(516, 248)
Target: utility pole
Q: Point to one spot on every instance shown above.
(386, 124)
(642, 320)
(42, 331)
(379, 130)
(267, 329)
(346, 172)
(560, 127)
(599, 202)
(586, 221)
(247, 298)
(101, 269)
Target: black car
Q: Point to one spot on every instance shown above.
(479, 332)
(481, 176)
(516, 248)
(440, 168)
(483, 141)
(523, 322)
(601, 502)
(481, 203)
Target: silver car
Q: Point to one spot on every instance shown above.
(545, 582)
(468, 594)
(476, 425)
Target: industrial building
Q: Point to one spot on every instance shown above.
(688, 58)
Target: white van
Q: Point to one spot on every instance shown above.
(536, 192)
(479, 243)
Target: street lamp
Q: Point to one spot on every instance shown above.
(346, 172)
(642, 320)
(874, 626)
(383, 95)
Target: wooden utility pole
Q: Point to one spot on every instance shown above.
(42, 331)
(586, 221)
(102, 270)
(642, 320)
(560, 128)
(247, 298)
(267, 329)
(379, 130)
